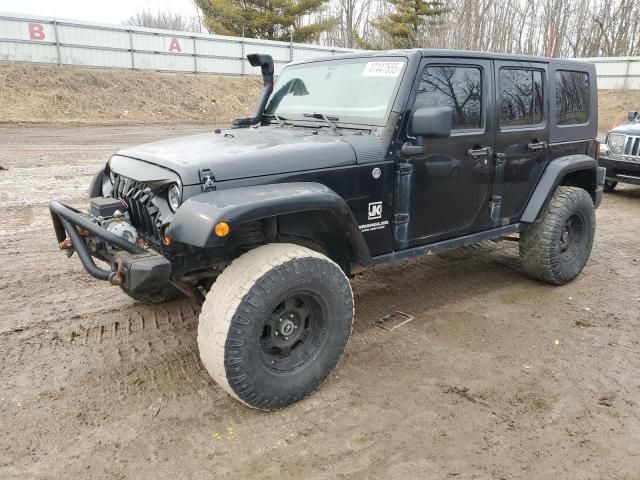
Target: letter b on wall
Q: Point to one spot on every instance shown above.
(36, 31)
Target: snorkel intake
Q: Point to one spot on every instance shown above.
(265, 62)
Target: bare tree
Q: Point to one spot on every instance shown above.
(559, 28)
(556, 28)
(166, 20)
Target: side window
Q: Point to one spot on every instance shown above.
(572, 97)
(521, 94)
(453, 86)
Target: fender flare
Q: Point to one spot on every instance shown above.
(95, 187)
(194, 222)
(551, 178)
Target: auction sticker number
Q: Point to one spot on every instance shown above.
(382, 69)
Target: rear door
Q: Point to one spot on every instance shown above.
(522, 135)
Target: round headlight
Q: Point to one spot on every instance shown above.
(174, 197)
(616, 143)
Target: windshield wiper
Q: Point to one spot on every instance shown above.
(281, 120)
(329, 121)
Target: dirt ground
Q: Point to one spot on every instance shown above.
(497, 377)
(71, 95)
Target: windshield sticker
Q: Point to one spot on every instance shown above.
(382, 69)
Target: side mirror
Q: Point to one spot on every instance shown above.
(431, 122)
(632, 116)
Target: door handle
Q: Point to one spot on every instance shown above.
(479, 152)
(536, 146)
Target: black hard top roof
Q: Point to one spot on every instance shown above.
(429, 52)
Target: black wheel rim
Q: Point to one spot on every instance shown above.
(572, 237)
(293, 332)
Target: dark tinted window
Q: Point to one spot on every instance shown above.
(453, 86)
(520, 97)
(572, 97)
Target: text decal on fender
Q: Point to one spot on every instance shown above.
(369, 227)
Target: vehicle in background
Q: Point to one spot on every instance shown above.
(620, 154)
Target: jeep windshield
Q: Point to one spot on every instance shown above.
(355, 90)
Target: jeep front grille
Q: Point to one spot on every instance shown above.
(141, 205)
(632, 147)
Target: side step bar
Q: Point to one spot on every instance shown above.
(446, 245)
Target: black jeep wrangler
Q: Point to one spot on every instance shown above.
(620, 154)
(348, 163)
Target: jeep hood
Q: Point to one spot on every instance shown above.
(629, 128)
(246, 152)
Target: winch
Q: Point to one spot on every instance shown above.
(119, 227)
(111, 214)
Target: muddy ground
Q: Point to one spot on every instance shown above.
(497, 377)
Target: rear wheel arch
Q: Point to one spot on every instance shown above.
(572, 170)
(585, 178)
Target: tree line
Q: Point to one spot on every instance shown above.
(557, 28)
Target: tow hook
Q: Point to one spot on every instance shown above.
(66, 245)
(115, 277)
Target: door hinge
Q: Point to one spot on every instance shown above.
(207, 179)
(400, 218)
(496, 207)
(404, 168)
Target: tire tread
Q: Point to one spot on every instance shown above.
(224, 307)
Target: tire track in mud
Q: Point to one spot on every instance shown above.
(130, 324)
(114, 368)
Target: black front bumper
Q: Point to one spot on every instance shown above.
(132, 267)
(620, 170)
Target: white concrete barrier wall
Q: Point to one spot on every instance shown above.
(69, 42)
(617, 72)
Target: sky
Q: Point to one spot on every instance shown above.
(101, 11)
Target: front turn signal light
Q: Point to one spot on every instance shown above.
(222, 229)
(165, 239)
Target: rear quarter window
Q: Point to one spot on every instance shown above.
(572, 97)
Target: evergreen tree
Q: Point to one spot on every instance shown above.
(265, 19)
(408, 21)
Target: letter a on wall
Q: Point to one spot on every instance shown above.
(36, 31)
(174, 46)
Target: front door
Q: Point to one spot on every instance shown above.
(450, 182)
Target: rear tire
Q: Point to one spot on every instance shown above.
(275, 324)
(556, 248)
(609, 185)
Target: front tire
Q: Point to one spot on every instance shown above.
(556, 248)
(275, 324)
